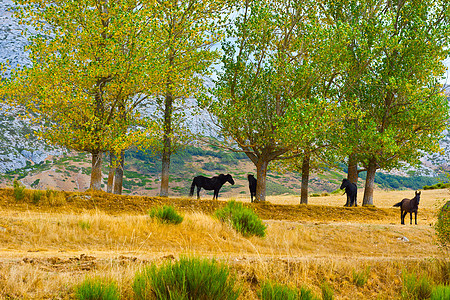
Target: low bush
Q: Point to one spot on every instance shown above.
(440, 292)
(276, 291)
(414, 288)
(442, 226)
(242, 219)
(327, 291)
(19, 190)
(166, 214)
(97, 289)
(360, 278)
(189, 278)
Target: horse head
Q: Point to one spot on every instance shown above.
(345, 183)
(418, 197)
(229, 179)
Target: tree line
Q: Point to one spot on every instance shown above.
(296, 84)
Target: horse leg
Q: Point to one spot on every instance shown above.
(415, 217)
(216, 194)
(402, 216)
(410, 218)
(348, 201)
(198, 192)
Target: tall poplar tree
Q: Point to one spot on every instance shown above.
(404, 111)
(90, 60)
(186, 31)
(280, 70)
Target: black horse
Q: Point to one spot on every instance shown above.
(351, 190)
(214, 183)
(252, 186)
(409, 206)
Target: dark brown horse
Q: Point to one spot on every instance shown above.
(409, 206)
(214, 183)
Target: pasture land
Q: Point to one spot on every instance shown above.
(48, 247)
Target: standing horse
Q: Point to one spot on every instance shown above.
(409, 206)
(252, 186)
(214, 183)
(351, 190)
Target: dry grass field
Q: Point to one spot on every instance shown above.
(48, 246)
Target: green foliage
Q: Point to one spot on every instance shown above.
(166, 214)
(414, 288)
(327, 291)
(389, 181)
(97, 289)
(440, 292)
(36, 196)
(242, 219)
(35, 183)
(436, 186)
(360, 278)
(188, 278)
(442, 226)
(276, 291)
(19, 190)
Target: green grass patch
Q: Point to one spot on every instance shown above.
(188, 278)
(242, 219)
(166, 214)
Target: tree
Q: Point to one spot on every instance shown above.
(277, 85)
(399, 95)
(186, 30)
(90, 64)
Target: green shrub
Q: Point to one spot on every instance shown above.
(242, 219)
(327, 291)
(442, 227)
(274, 291)
(189, 278)
(97, 289)
(36, 197)
(19, 190)
(414, 288)
(166, 214)
(360, 278)
(440, 292)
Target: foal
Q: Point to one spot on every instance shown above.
(409, 206)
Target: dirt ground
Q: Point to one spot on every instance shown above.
(46, 237)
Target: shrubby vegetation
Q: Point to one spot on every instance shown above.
(277, 291)
(188, 278)
(97, 289)
(242, 219)
(166, 214)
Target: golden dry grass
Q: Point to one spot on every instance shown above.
(45, 250)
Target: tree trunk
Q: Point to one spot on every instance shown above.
(112, 170)
(167, 143)
(118, 178)
(305, 179)
(96, 174)
(261, 173)
(352, 174)
(370, 182)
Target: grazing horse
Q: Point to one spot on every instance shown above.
(351, 190)
(252, 186)
(409, 206)
(214, 183)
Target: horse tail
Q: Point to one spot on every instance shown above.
(191, 193)
(398, 204)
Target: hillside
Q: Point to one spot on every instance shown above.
(71, 172)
